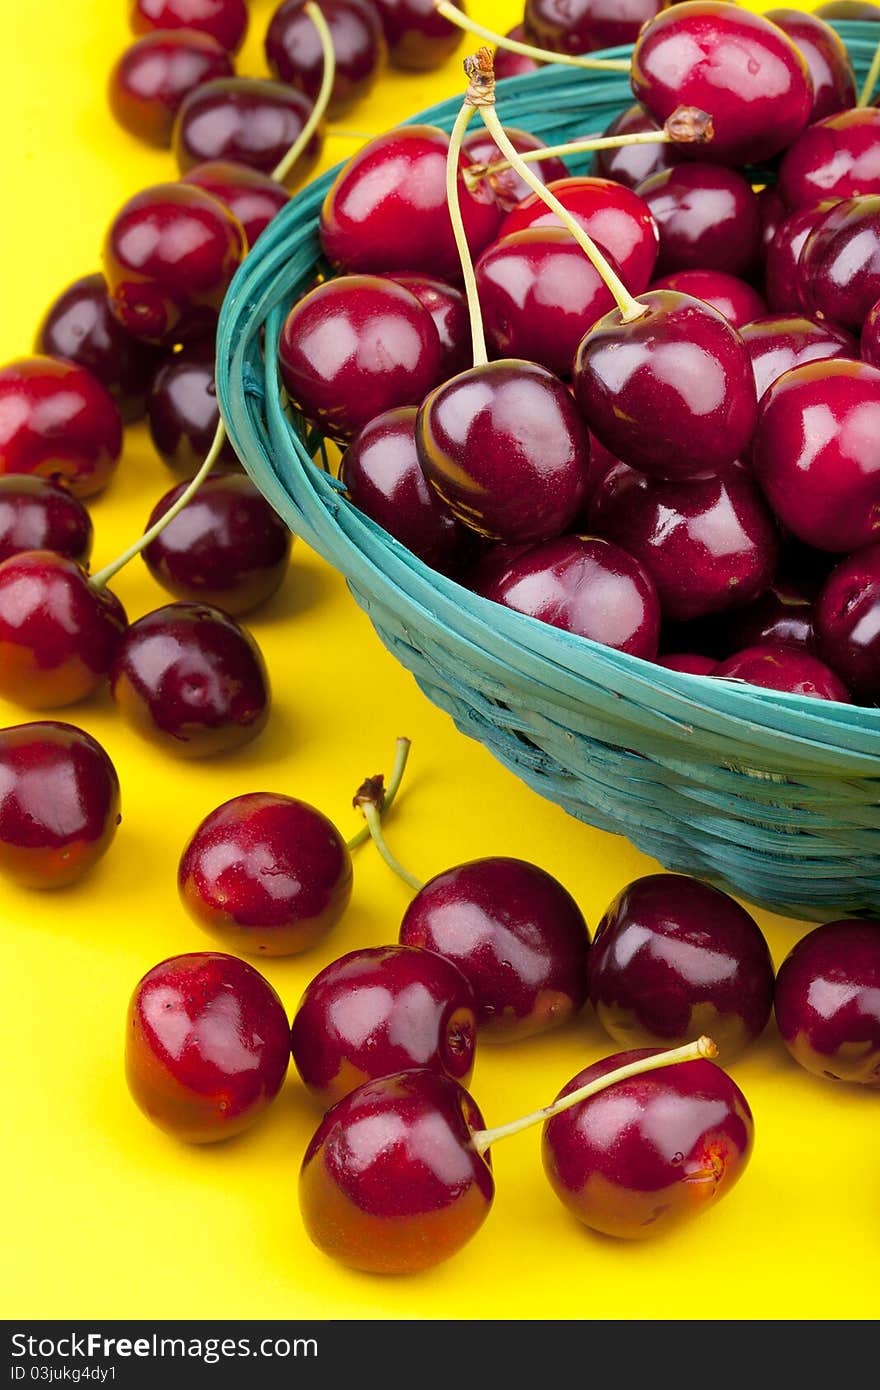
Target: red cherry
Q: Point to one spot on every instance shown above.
(245, 120)
(224, 20)
(632, 164)
(206, 1047)
(708, 218)
(781, 277)
(295, 56)
(848, 622)
(781, 615)
(59, 803)
(828, 1001)
(507, 185)
(839, 266)
(419, 39)
(772, 208)
(580, 26)
(831, 72)
(266, 874)
(789, 669)
(509, 64)
(57, 421)
(253, 198)
(779, 342)
(448, 308)
(869, 346)
(736, 300)
(692, 663)
(183, 412)
(151, 78)
(838, 157)
(379, 1011)
(35, 514)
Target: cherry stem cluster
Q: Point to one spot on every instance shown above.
(527, 50)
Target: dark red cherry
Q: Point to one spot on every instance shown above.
(674, 957)
(58, 633)
(266, 874)
(151, 78)
(587, 586)
(182, 409)
(206, 1046)
(648, 1153)
(670, 393)
(737, 66)
(789, 669)
(246, 120)
(516, 934)
(848, 622)
(419, 39)
(579, 26)
(738, 301)
(782, 281)
(778, 342)
(632, 164)
(783, 614)
(379, 1011)
(507, 185)
(838, 157)
(80, 326)
(822, 480)
(505, 448)
(36, 514)
(191, 680)
(383, 477)
(861, 10)
(224, 20)
(509, 64)
(387, 211)
(539, 295)
(226, 547)
(773, 210)
(253, 198)
(708, 218)
(448, 308)
(59, 803)
(354, 347)
(295, 56)
(831, 72)
(869, 346)
(169, 256)
(828, 1001)
(616, 217)
(692, 663)
(57, 421)
(391, 1182)
(839, 266)
(709, 543)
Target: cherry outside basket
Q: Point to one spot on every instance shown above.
(770, 795)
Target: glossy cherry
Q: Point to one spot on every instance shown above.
(182, 409)
(838, 157)
(59, 803)
(789, 669)
(630, 165)
(839, 266)
(828, 1001)
(848, 622)
(648, 1153)
(691, 663)
(36, 514)
(783, 614)
(781, 278)
(509, 64)
(516, 934)
(57, 421)
(778, 342)
(419, 39)
(80, 326)
(354, 347)
(738, 301)
(383, 1010)
(245, 120)
(674, 957)
(224, 20)
(295, 56)
(207, 1046)
(773, 211)
(507, 185)
(448, 308)
(831, 72)
(708, 218)
(386, 210)
(169, 256)
(580, 26)
(266, 874)
(869, 344)
(150, 79)
(189, 679)
(253, 198)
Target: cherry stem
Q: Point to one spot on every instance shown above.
(400, 761)
(691, 1052)
(453, 153)
(328, 76)
(871, 80)
(528, 50)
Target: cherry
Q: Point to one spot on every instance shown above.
(59, 803)
(226, 547)
(57, 421)
(670, 393)
(224, 20)
(295, 56)
(839, 266)
(379, 1011)
(151, 78)
(828, 1001)
(387, 211)
(781, 276)
(354, 347)
(848, 622)
(732, 297)
(191, 680)
(831, 72)
(507, 185)
(266, 874)
(58, 633)
(586, 586)
(778, 342)
(838, 157)
(252, 198)
(823, 483)
(869, 346)
(539, 295)
(169, 256)
(692, 663)
(672, 954)
(510, 64)
(246, 120)
(773, 211)
(630, 165)
(709, 543)
(448, 308)
(516, 934)
(789, 669)
(80, 326)
(650, 1152)
(783, 614)
(35, 514)
(580, 26)
(383, 478)
(419, 39)
(738, 66)
(708, 218)
(183, 411)
(207, 1046)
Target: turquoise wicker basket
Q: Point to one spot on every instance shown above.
(773, 796)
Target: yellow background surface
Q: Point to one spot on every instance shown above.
(107, 1217)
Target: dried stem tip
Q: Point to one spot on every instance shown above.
(688, 125)
(371, 792)
(479, 69)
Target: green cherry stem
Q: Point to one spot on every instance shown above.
(316, 115)
(400, 760)
(370, 797)
(691, 1052)
(871, 80)
(528, 50)
(453, 153)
